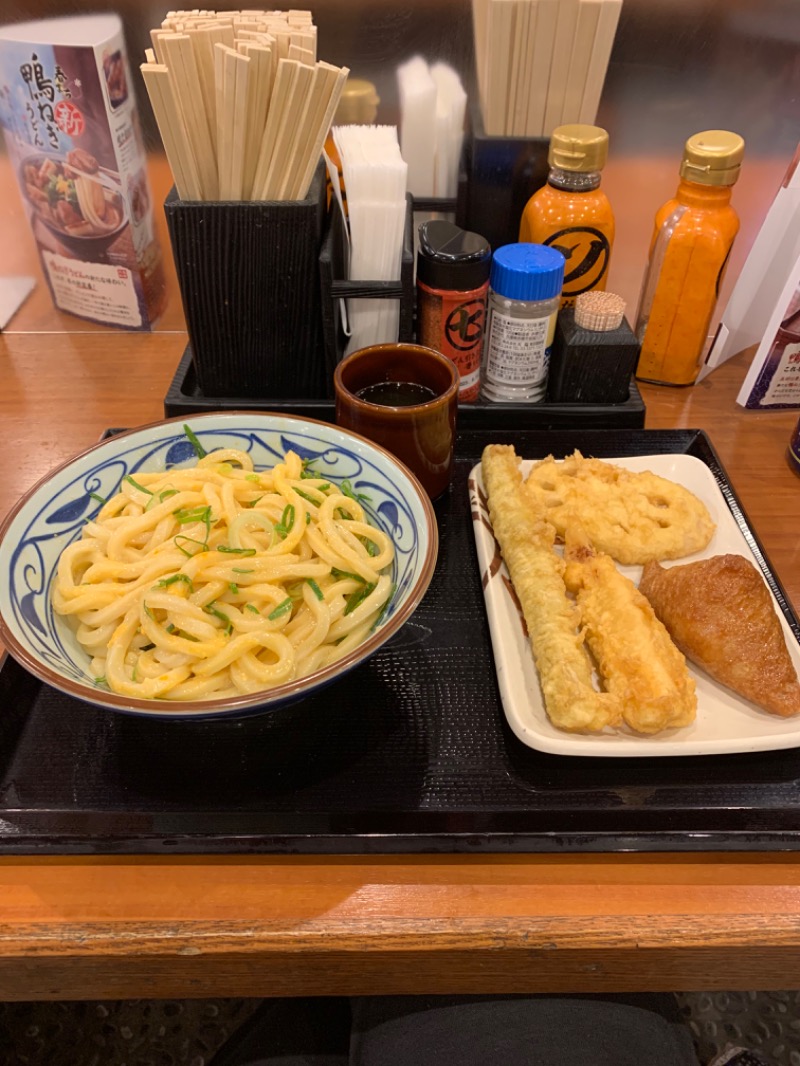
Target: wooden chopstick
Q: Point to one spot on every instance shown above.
(173, 131)
(242, 102)
(541, 63)
(541, 59)
(185, 83)
(284, 80)
(580, 57)
(288, 131)
(598, 64)
(329, 87)
(258, 96)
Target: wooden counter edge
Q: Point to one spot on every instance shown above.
(750, 940)
(553, 954)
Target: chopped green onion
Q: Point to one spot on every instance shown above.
(370, 545)
(99, 499)
(196, 514)
(165, 582)
(345, 574)
(239, 570)
(306, 496)
(200, 451)
(233, 587)
(165, 495)
(348, 490)
(253, 502)
(149, 613)
(252, 477)
(315, 588)
(385, 608)
(250, 607)
(236, 551)
(357, 597)
(181, 632)
(203, 545)
(136, 485)
(211, 609)
(311, 475)
(101, 680)
(308, 518)
(287, 520)
(281, 609)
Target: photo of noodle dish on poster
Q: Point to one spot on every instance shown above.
(725, 722)
(236, 572)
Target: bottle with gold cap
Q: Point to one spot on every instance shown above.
(689, 249)
(571, 212)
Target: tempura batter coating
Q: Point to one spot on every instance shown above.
(638, 663)
(720, 614)
(553, 622)
(633, 517)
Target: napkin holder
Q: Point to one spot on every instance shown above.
(249, 280)
(336, 288)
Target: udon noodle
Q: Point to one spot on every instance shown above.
(219, 580)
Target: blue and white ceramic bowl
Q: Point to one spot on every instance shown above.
(52, 514)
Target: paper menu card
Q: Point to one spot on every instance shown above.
(760, 301)
(773, 380)
(73, 137)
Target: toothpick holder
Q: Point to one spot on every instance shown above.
(249, 280)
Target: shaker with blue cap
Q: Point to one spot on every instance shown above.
(524, 289)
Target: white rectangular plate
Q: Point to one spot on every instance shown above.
(725, 722)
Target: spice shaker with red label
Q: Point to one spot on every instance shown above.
(453, 267)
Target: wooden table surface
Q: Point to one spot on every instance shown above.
(104, 927)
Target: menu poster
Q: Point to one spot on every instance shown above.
(73, 138)
(773, 380)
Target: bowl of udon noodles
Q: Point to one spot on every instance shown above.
(220, 565)
(76, 199)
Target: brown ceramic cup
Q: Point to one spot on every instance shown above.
(421, 435)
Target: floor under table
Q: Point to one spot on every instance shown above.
(189, 1032)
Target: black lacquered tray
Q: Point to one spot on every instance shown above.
(409, 753)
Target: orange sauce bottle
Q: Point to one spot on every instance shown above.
(689, 249)
(571, 212)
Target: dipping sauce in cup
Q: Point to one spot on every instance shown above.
(404, 397)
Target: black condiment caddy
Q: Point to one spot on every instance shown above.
(185, 397)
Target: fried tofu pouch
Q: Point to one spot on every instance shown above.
(721, 615)
(633, 517)
(638, 663)
(565, 670)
